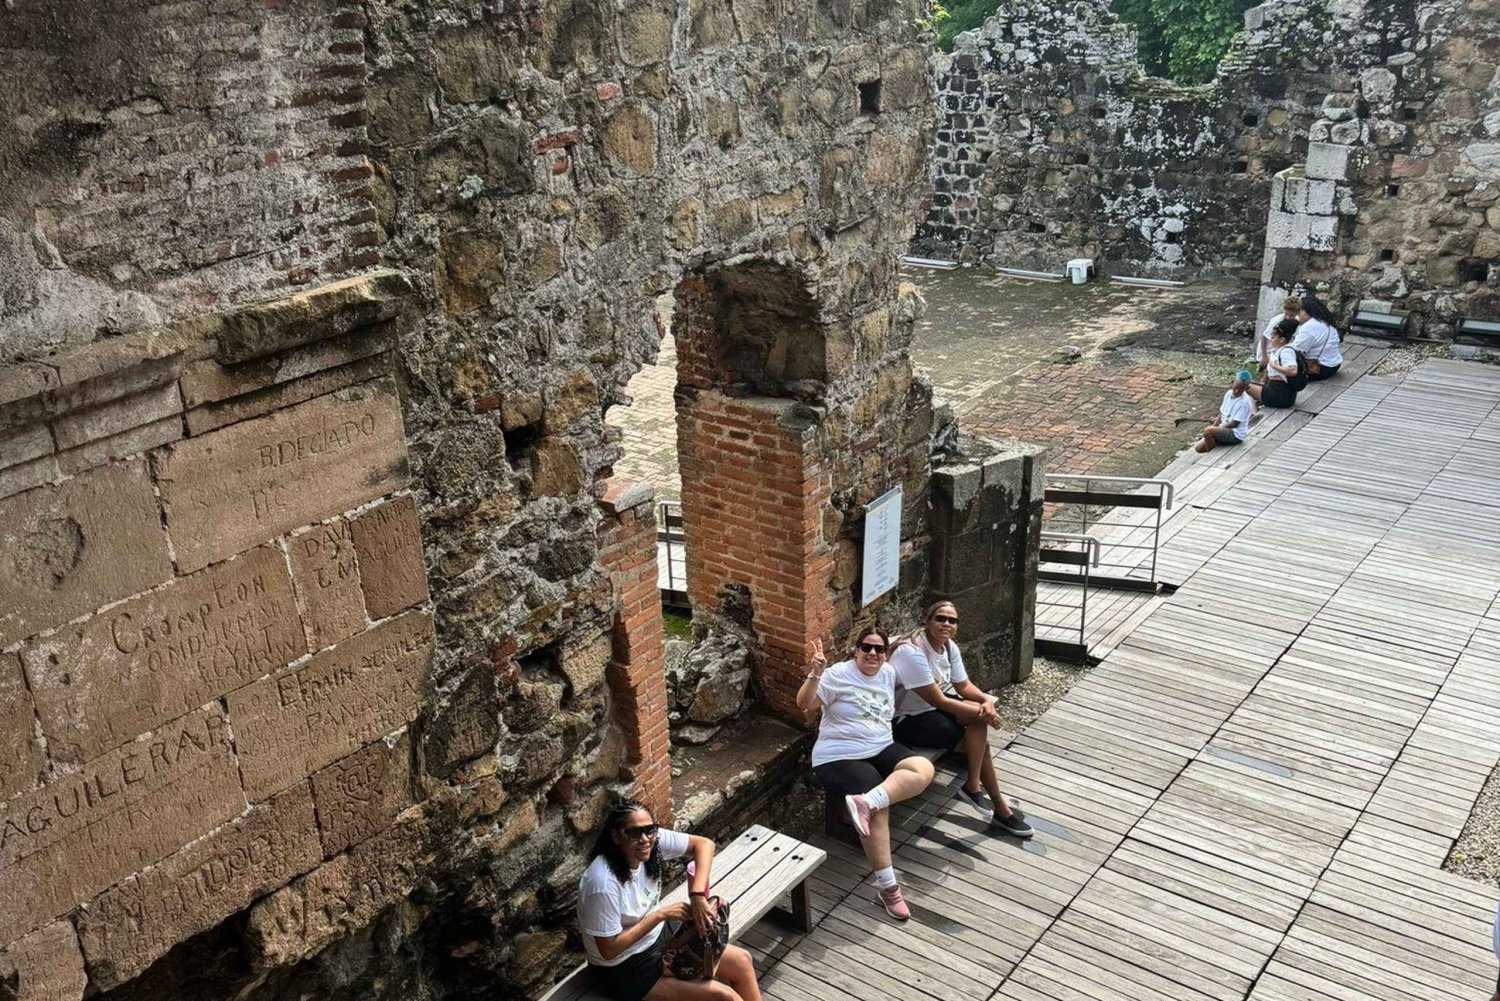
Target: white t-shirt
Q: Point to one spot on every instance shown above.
(607, 906)
(1318, 342)
(1285, 356)
(917, 666)
(857, 713)
(1236, 408)
(1263, 342)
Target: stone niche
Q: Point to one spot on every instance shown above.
(216, 632)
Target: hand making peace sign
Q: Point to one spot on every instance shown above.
(818, 661)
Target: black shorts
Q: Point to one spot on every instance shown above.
(1277, 393)
(930, 729)
(1324, 372)
(633, 979)
(857, 776)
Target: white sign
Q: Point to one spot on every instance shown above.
(882, 545)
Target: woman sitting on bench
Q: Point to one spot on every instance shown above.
(855, 754)
(622, 918)
(940, 707)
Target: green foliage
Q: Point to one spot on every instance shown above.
(937, 15)
(1183, 40)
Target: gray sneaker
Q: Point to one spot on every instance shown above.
(976, 801)
(1015, 825)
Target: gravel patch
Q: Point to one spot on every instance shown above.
(1476, 854)
(1020, 704)
(1400, 360)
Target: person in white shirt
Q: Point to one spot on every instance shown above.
(1290, 307)
(1281, 366)
(938, 706)
(625, 925)
(1317, 340)
(856, 755)
(1233, 423)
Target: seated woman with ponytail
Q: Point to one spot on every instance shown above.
(625, 925)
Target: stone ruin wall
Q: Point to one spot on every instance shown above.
(326, 633)
(1054, 144)
(1397, 205)
(1348, 147)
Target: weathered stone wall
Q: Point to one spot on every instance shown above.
(161, 158)
(1398, 202)
(368, 790)
(1054, 143)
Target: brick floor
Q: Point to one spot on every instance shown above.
(1095, 417)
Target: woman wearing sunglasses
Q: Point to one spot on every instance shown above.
(623, 920)
(855, 754)
(940, 707)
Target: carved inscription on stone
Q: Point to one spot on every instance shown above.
(361, 794)
(20, 754)
(327, 577)
(129, 926)
(229, 489)
(46, 965)
(346, 893)
(163, 654)
(126, 809)
(289, 725)
(67, 549)
(389, 541)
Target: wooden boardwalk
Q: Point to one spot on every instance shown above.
(1252, 796)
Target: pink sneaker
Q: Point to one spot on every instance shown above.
(859, 812)
(894, 903)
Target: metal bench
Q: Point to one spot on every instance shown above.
(754, 872)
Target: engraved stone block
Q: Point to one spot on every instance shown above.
(131, 925)
(72, 547)
(46, 965)
(232, 488)
(155, 657)
(344, 894)
(392, 573)
(289, 725)
(360, 795)
(84, 832)
(327, 578)
(20, 754)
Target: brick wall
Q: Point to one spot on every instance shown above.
(754, 497)
(637, 666)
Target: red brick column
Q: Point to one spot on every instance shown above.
(753, 500)
(637, 669)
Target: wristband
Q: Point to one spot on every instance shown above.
(698, 893)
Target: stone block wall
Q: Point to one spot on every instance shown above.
(986, 528)
(215, 626)
(1408, 146)
(1054, 143)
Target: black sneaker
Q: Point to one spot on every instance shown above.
(972, 799)
(1015, 825)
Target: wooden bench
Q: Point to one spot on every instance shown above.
(754, 872)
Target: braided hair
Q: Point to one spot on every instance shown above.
(604, 844)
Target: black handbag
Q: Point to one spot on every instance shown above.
(691, 956)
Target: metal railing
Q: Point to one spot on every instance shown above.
(671, 554)
(1062, 614)
(1124, 513)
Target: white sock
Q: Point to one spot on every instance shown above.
(885, 877)
(878, 798)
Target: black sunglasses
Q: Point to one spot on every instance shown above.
(872, 648)
(947, 620)
(637, 833)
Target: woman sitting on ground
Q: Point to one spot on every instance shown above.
(938, 706)
(1281, 367)
(625, 925)
(1318, 340)
(857, 757)
(1291, 306)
